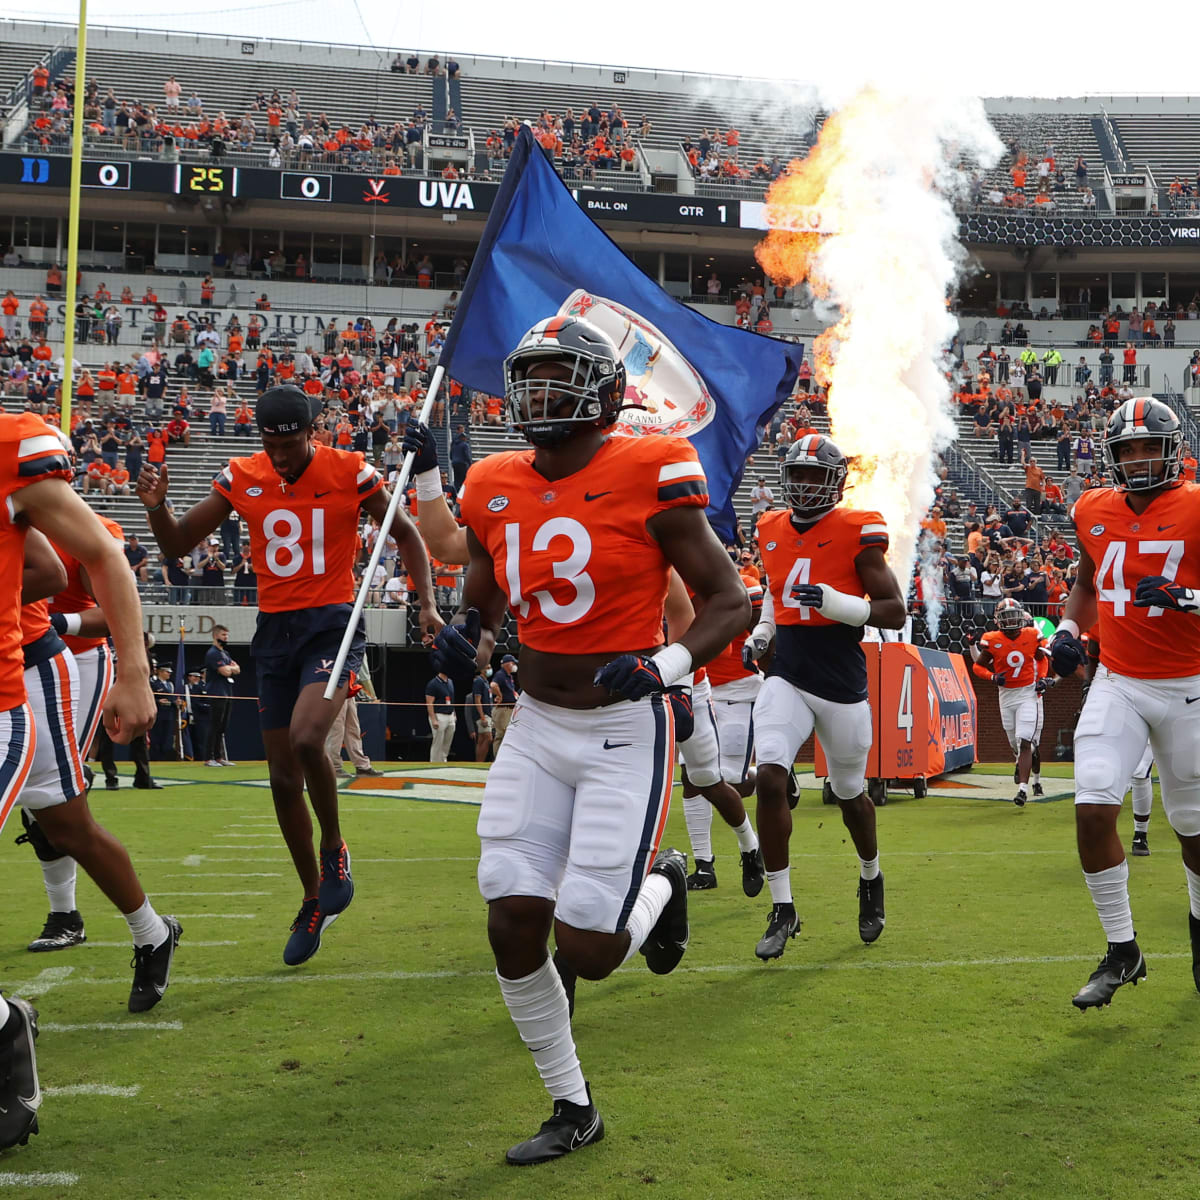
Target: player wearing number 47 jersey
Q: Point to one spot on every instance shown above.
(1139, 574)
(300, 502)
(577, 537)
(822, 562)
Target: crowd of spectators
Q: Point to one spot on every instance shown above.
(1038, 182)
(597, 139)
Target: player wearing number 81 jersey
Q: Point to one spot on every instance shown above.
(301, 502)
(1139, 574)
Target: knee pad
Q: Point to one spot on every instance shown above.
(35, 835)
(502, 871)
(1096, 776)
(705, 776)
(846, 782)
(584, 903)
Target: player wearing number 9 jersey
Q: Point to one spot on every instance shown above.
(1008, 657)
(577, 536)
(822, 563)
(301, 502)
(1139, 574)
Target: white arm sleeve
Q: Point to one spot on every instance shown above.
(766, 622)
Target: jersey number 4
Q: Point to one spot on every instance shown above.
(1112, 567)
(569, 569)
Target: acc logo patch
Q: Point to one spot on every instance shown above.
(254, 491)
(772, 545)
(1096, 530)
(497, 504)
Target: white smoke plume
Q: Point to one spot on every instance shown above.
(933, 591)
(881, 184)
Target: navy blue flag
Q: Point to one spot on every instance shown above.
(542, 256)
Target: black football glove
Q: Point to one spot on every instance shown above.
(752, 650)
(419, 441)
(1067, 653)
(1156, 591)
(634, 676)
(808, 594)
(455, 646)
(998, 678)
(1045, 684)
(680, 697)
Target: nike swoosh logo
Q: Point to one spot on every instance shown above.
(318, 495)
(615, 745)
(581, 1139)
(596, 495)
(820, 544)
(1162, 527)
(1191, 699)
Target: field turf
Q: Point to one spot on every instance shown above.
(945, 1060)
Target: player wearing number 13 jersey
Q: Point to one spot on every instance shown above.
(301, 502)
(577, 537)
(1139, 574)
(822, 563)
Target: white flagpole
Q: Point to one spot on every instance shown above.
(369, 574)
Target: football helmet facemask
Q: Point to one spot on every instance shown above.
(1135, 420)
(813, 476)
(1009, 615)
(541, 409)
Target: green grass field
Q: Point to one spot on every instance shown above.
(946, 1060)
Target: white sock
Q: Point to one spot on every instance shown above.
(697, 815)
(1035, 777)
(868, 868)
(747, 838)
(1193, 882)
(59, 878)
(538, 1007)
(780, 883)
(1143, 801)
(147, 927)
(1023, 788)
(1110, 894)
(4, 1010)
(647, 908)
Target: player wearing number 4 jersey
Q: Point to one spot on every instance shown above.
(578, 537)
(300, 502)
(822, 562)
(1139, 574)
(1008, 657)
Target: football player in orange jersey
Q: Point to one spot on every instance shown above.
(578, 536)
(34, 483)
(1139, 573)
(1008, 657)
(300, 502)
(826, 579)
(93, 660)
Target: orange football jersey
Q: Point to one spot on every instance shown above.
(727, 666)
(823, 553)
(303, 534)
(574, 554)
(30, 451)
(75, 597)
(1014, 657)
(1143, 643)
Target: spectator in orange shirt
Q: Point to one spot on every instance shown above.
(9, 307)
(54, 278)
(127, 384)
(243, 420)
(156, 447)
(38, 314)
(935, 524)
(43, 352)
(118, 482)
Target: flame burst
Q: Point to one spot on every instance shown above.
(878, 186)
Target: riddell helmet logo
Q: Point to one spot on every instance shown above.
(674, 397)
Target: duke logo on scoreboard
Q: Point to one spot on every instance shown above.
(670, 395)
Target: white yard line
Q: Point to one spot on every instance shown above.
(159, 894)
(204, 916)
(109, 1026)
(225, 874)
(34, 1179)
(93, 1089)
(126, 945)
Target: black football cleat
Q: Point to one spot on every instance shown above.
(870, 908)
(754, 873)
(704, 877)
(1019, 799)
(1038, 791)
(793, 788)
(20, 1094)
(572, 1127)
(669, 938)
(1194, 930)
(566, 973)
(1141, 845)
(60, 931)
(152, 969)
(1122, 964)
(782, 924)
